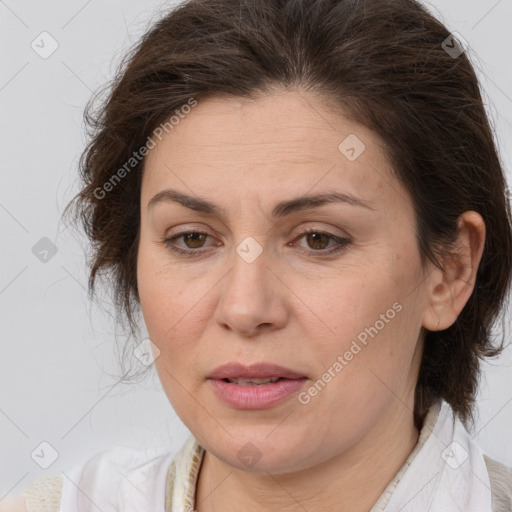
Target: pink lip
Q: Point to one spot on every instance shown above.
(256, 371)
(255, 396)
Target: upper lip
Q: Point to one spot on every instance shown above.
(253, 371)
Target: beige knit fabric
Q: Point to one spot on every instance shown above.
(501, 485)
(169, 486)
(43, 495)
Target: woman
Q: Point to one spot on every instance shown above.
(305, 200)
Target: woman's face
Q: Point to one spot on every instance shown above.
(345, 316)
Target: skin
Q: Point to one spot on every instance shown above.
(291, 306)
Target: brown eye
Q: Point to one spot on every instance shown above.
(193, 243)
(318, 241)
(194, 240)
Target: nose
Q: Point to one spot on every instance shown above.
(253, 297)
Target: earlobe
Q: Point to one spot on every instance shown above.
(452, 286)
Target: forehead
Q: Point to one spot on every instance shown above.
(282, 143)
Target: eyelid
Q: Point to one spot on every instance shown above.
(325, 229)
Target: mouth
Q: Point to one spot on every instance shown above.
(258, 386)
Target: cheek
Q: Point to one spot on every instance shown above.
(373, 323)
(162, 296)
(353, 300)
(170, 318)
(174, 306)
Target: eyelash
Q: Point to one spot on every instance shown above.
(342, 243)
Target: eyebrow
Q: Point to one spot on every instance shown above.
(280, 210)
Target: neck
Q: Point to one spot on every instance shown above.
(350, 481)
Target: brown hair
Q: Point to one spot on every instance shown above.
(384, 63)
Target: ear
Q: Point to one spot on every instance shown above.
(451, 288)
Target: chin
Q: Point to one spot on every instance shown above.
(262, 453)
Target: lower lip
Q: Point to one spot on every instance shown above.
(257, 396)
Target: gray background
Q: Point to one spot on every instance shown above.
(58, 364)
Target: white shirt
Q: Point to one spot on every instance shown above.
(446, 472)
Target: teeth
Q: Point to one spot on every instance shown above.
(253, 382)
